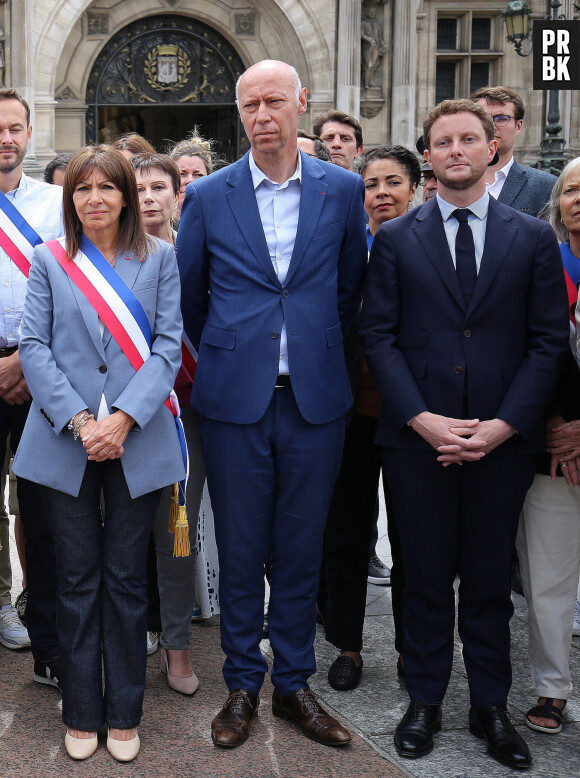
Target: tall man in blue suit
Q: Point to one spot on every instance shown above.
(464, 326)
(272, 255)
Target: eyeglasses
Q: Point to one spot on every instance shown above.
(502, 120)
(427, 176)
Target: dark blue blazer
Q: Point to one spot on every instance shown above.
(234, 305)
(422, 344)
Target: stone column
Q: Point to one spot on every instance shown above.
(404, 73)
(348, 62)
(22, 69)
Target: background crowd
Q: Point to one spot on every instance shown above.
(102, 585)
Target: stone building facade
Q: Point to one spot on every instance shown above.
(92, 69)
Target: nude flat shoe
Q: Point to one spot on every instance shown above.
(123, 750)
(80, 747)
(187, 685)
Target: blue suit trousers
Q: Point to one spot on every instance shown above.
(270, 485)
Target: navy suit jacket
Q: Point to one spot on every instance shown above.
(422, 344)
(527, 189)
(234, 305)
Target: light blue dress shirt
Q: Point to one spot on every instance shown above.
(477, 220)
(279, 206)
(41, 206)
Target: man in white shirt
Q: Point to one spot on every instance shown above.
(524, 188)
(41, 206)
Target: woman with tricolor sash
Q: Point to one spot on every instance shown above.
(100, 349)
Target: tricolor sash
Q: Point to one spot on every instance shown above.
(572, 296)
(188, 355)
(17, 237)
(124, 317)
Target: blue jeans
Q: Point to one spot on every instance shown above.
(102, 597)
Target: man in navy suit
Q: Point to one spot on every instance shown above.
(272, 255)
(464, 326)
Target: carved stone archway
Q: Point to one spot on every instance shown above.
(158, 66)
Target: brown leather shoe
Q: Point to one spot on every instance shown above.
(231, 726)
(303, 708)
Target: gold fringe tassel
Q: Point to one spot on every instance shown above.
(181, 544)
(174, 507)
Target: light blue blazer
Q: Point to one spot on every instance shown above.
(68, 366)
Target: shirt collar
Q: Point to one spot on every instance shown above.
(503, 172)
(22, 187)
(258, 176)
(479, 208)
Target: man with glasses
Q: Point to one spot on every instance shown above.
(524, 188)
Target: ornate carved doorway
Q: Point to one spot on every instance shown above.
(160, 77)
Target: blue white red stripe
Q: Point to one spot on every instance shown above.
(17, 237)
(121, 313)
(188, 355)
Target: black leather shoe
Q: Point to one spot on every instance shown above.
(414, 735)
(344, 674)
(493, 725)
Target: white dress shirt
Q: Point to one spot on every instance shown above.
(279, 206)
(499, 180)
(477, 220)
(41, 206)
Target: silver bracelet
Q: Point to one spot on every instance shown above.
(81, 423)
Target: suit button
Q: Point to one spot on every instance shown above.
(458, 369)
(467, 333)
(274, 335)
(103, 369)
(285, 293)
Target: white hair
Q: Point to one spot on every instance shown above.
(551, 212)
(294, 72)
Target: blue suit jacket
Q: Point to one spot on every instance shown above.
(233, 303)
(422, 344)
(527, 189)
(68, 366)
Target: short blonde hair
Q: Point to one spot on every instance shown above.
(195, 146)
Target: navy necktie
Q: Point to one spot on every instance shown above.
(465, 255)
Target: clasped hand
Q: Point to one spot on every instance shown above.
(563, 443)
(13, 387)
(461, 440)
(104, 439)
